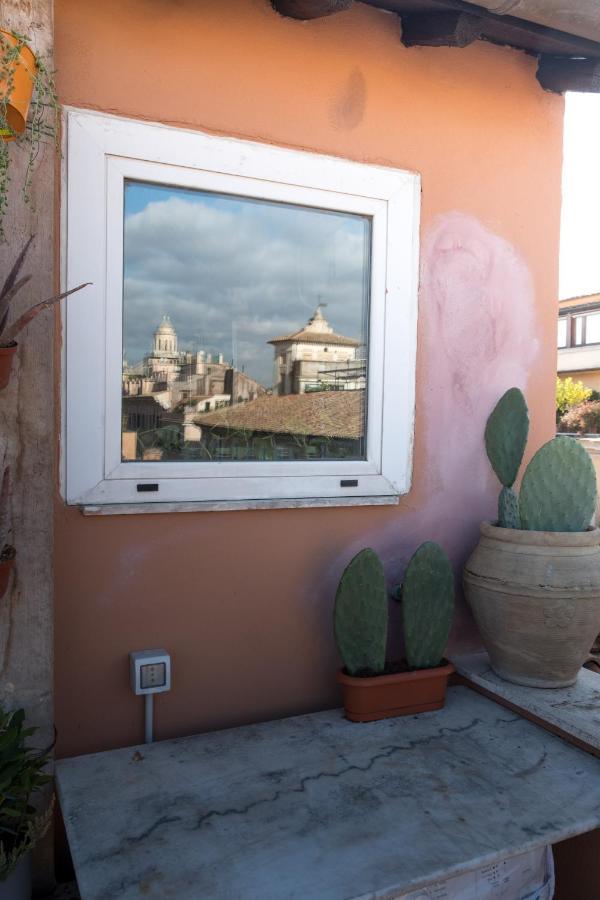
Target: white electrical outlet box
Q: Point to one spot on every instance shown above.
(150, 671)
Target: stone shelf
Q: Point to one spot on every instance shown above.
(318, 807)
(573, 713)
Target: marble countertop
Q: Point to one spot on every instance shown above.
(572, 712)
(318, 807)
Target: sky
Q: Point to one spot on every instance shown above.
(232, 273)
(580, 231)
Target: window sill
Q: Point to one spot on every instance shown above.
(132, 509)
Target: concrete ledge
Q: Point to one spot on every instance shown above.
(144, 509)
(319, 808)
(572, 713)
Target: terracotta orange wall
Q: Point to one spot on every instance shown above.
(243, 600)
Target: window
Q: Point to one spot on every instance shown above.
(584, 329)
(562, 332)
(251, 329)
(592, 328)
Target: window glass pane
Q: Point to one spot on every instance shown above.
(245, 329)
(592, 328)
(579, 329)
(562, 332)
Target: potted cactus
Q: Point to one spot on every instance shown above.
(372, 688)
(533, 581)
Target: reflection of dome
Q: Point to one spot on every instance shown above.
(165, 327)
(165, 339)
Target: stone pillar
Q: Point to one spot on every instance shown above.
(27, 435)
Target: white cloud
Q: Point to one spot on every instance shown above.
(264, 266)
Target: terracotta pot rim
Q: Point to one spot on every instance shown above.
(9, 348)
(445, 670)
(589, 538)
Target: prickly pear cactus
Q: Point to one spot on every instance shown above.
(506, 435)
(508, 509)
(427, 606)
(361, 614)
(558, 491)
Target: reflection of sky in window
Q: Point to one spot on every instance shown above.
(233, 273)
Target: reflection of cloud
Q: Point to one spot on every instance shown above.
(210, 261)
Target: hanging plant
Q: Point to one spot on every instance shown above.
(28, 110)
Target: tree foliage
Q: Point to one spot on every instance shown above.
(569, 393)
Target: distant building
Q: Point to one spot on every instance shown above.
(316, 409)
(316, 358)
(579, 339)
(164, 392)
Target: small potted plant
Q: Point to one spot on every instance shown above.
(22, 776)
(8, 332)
(7, 551)
(533, 581)
(372, 688)
(28, 109)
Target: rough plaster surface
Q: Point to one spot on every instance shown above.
(243, 600)
(26, 445)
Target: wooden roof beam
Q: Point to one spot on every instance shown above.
(442, 29)
(310, 9)
(563, 73)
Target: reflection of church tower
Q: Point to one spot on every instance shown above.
(316, 358)
(165, 360)
(165, 338)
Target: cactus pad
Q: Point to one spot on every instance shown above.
(506, 435)
(508, 509)
(360, 615)
(558, 492)
(427, 606)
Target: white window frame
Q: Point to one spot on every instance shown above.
(101, 152)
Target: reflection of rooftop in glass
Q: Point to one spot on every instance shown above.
(316, 331)
(331, 414)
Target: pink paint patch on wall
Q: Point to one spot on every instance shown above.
(477, 328)
(478, 323)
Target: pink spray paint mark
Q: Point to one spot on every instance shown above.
(477, 338)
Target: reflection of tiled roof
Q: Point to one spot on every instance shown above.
(320, 413)
(316, 337)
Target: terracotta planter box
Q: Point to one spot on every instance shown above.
(402, 694)
(6, 358)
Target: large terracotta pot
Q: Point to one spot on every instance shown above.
(24, 72)
(535, 596)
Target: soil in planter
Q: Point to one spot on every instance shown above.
(391, 668)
